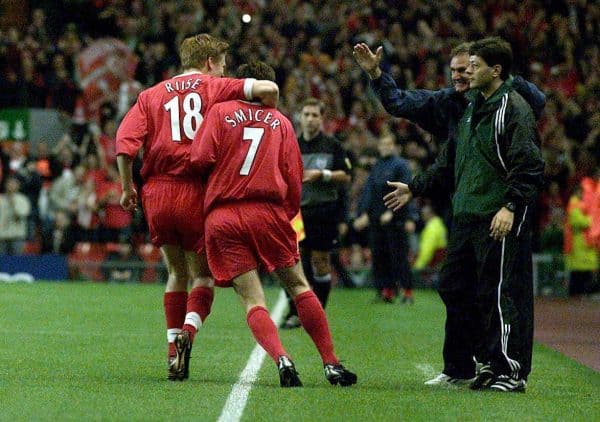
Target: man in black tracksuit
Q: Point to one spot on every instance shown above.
(496, 169)
(439, 113)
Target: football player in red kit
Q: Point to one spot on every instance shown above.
(163, 123)
(251, 156)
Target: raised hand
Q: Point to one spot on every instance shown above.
(368, 61)
(399, 197)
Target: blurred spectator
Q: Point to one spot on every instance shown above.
(14, 210)
(581, 259)
(60, 238)
(433, 240)
(105, 143)
(388, 239)
(115, 221)
(551, 237)
(87, 212)
(31, 185)
(17, 156)
(65, 190)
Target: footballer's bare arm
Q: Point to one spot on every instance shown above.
(129, 196)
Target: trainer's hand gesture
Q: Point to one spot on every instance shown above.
(368, 61)
(399, 197)
(502, 224)
(129, 199)
(312, 175)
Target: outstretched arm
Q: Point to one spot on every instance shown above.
(429, 109)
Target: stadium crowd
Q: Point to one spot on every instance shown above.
(71, 183)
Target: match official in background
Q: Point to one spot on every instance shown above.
(326, 168)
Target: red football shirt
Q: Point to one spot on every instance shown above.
(251, 153)
(166, 117)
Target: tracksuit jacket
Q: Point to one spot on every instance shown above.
(495, 161)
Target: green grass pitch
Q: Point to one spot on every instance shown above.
(82, 351)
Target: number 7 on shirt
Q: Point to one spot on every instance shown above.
(253, 134)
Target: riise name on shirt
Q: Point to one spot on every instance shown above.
(182, 85)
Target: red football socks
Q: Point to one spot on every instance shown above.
(175, 306)
(264, 331)
(199, 304)
(314, 321)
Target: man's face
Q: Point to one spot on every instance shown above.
(217, 66)
(311, 119)
(386, 146)
(479, 73)
(458, 68)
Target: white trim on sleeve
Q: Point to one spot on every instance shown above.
(248, 85)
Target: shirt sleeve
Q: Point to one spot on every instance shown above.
(426, 108)
(133, 130)
(439, 177)
(228, 89)
(205, 146)
(531, 94)
(340, 158)
(525, 166)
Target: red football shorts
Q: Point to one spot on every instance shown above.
(174, 211)
(248, 236)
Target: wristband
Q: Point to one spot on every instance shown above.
(326, 175)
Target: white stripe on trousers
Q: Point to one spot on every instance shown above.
(505, 328)
(522, 220)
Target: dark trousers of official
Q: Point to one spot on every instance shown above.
(321, 290)
(487, 288)
(389, 255)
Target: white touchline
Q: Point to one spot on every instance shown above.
(236, 402)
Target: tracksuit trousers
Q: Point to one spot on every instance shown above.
(487, 287)
(389, 252)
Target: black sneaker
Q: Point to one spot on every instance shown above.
(291, 322)
(179, 366)
(288, 376)
(484, 378)
(337, 374)
(507, 383)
